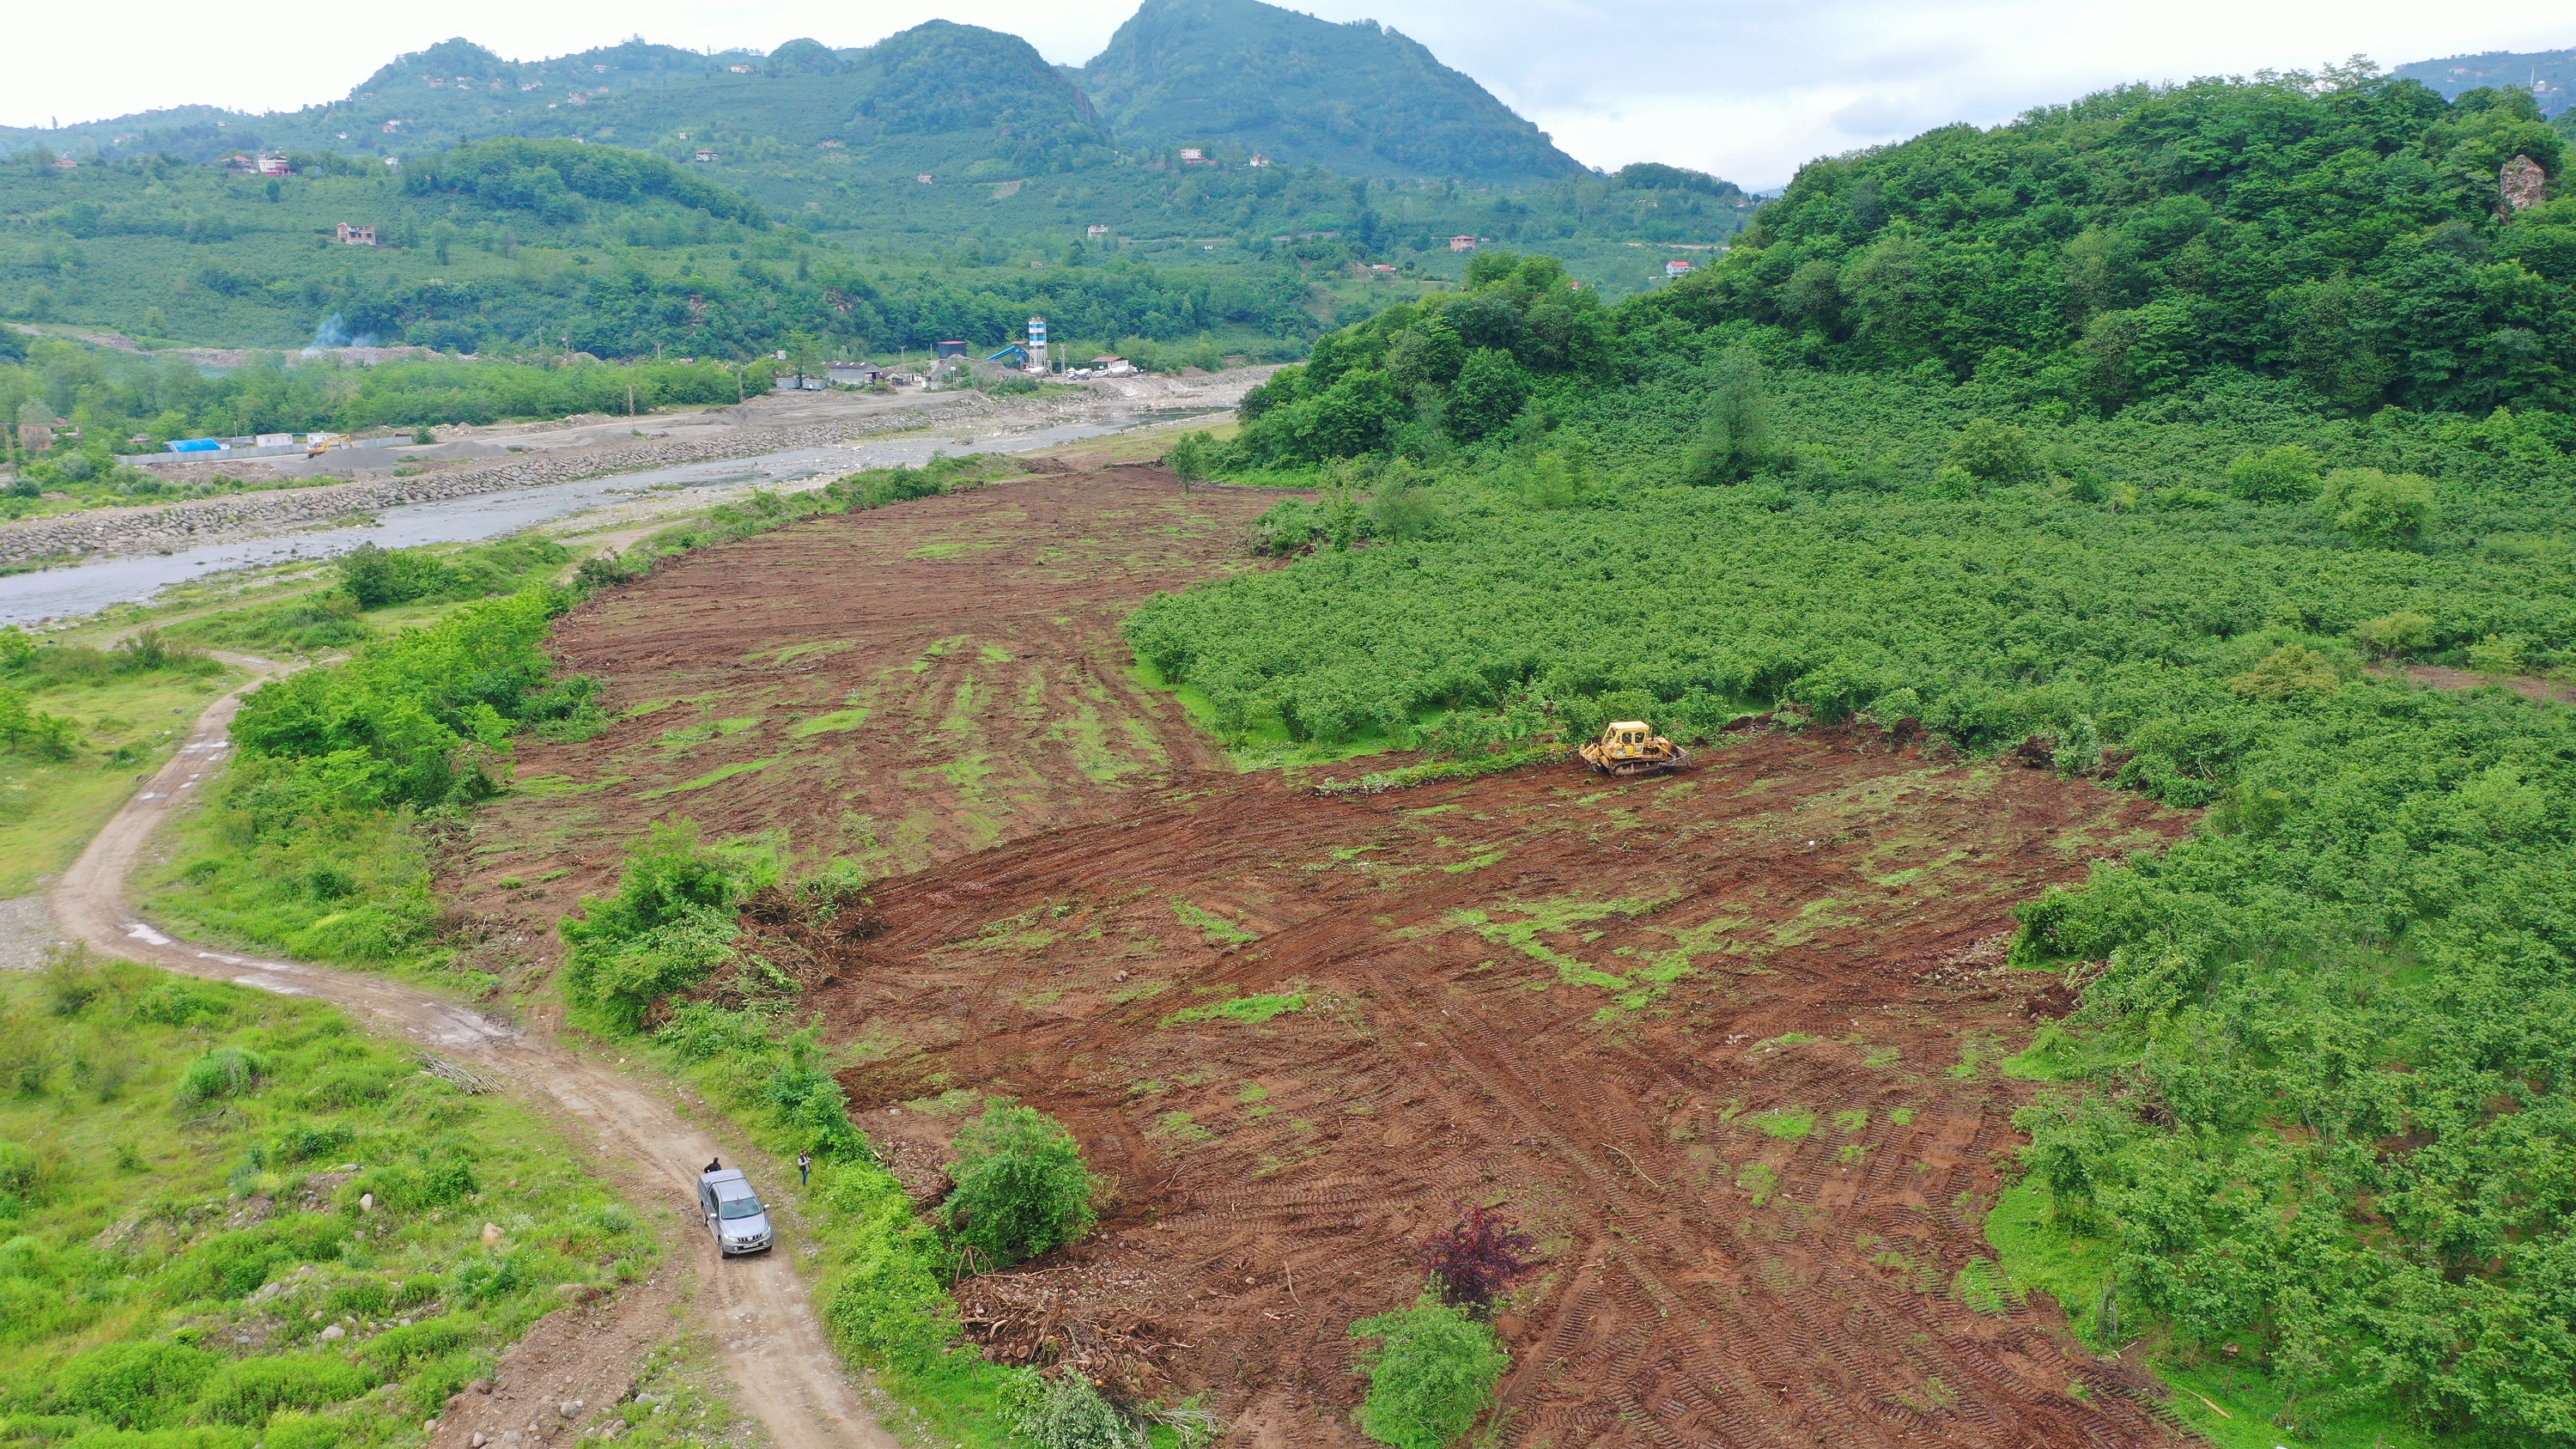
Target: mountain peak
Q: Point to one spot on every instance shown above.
(1358, 97)
(453, 57)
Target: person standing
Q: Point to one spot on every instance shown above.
(804, 1169)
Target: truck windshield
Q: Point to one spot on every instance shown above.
(738, 1207)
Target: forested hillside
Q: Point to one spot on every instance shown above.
(1356, 98)
(2351, 235)
(2550, 75)
(536, 245)
(2159, 440)
(909, 185)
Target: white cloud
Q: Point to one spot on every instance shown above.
(1748, 89)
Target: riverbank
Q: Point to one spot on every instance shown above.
(775, 424)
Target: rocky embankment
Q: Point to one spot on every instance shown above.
(174, 526)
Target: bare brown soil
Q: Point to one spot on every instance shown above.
(898, 687)
(1726, 1044)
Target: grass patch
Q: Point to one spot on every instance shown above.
(1786, 1123)
(1217, 929)
(712, 777)
(126, 726)
(184, 1163)
(349, 889)
(1438, 771)
(821, 724)
(1251, 1010)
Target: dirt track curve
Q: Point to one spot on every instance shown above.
(757, 1310)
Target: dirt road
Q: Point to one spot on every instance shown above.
(757, 1311)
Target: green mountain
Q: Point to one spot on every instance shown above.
(1234, 75)
(2550, 75)
(943, 182)
(1240, 77)
(984, 93)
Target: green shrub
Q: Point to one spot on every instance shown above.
(25, 730)
(420, 1186)
(133, 1385)
(223, 1072)
(377, 577)
(301, 1431)
(2286, 474)
(1434, 1372)
(2395, 635)
(810, 1103)
(699, 1032)
(2383, 510)
(176, 1003)
(247, 1392)
(308, 1140)
(668, 926)
(1022, 1186)
(21, 1173)
(1064, 1411)
(1994, 452)
(229, 1265)
(396, 1350)
(883, 1300)
(322, 620)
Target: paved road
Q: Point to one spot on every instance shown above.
(756, 1310)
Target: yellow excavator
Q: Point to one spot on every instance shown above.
(1631, 747)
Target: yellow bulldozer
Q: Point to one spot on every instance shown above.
(1631, 747)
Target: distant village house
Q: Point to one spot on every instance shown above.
(1462, 244)
(356, 236)
(706, 153)
(1677, 267)
(1258, 160)
(1097, 231)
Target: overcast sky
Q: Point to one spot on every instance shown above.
(1747, 89)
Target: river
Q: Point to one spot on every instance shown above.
(77, 589)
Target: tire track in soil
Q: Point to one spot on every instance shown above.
(1610, 1365)
(1804, 923)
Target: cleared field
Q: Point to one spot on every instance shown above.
(1728, 1043)
(894, 687)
